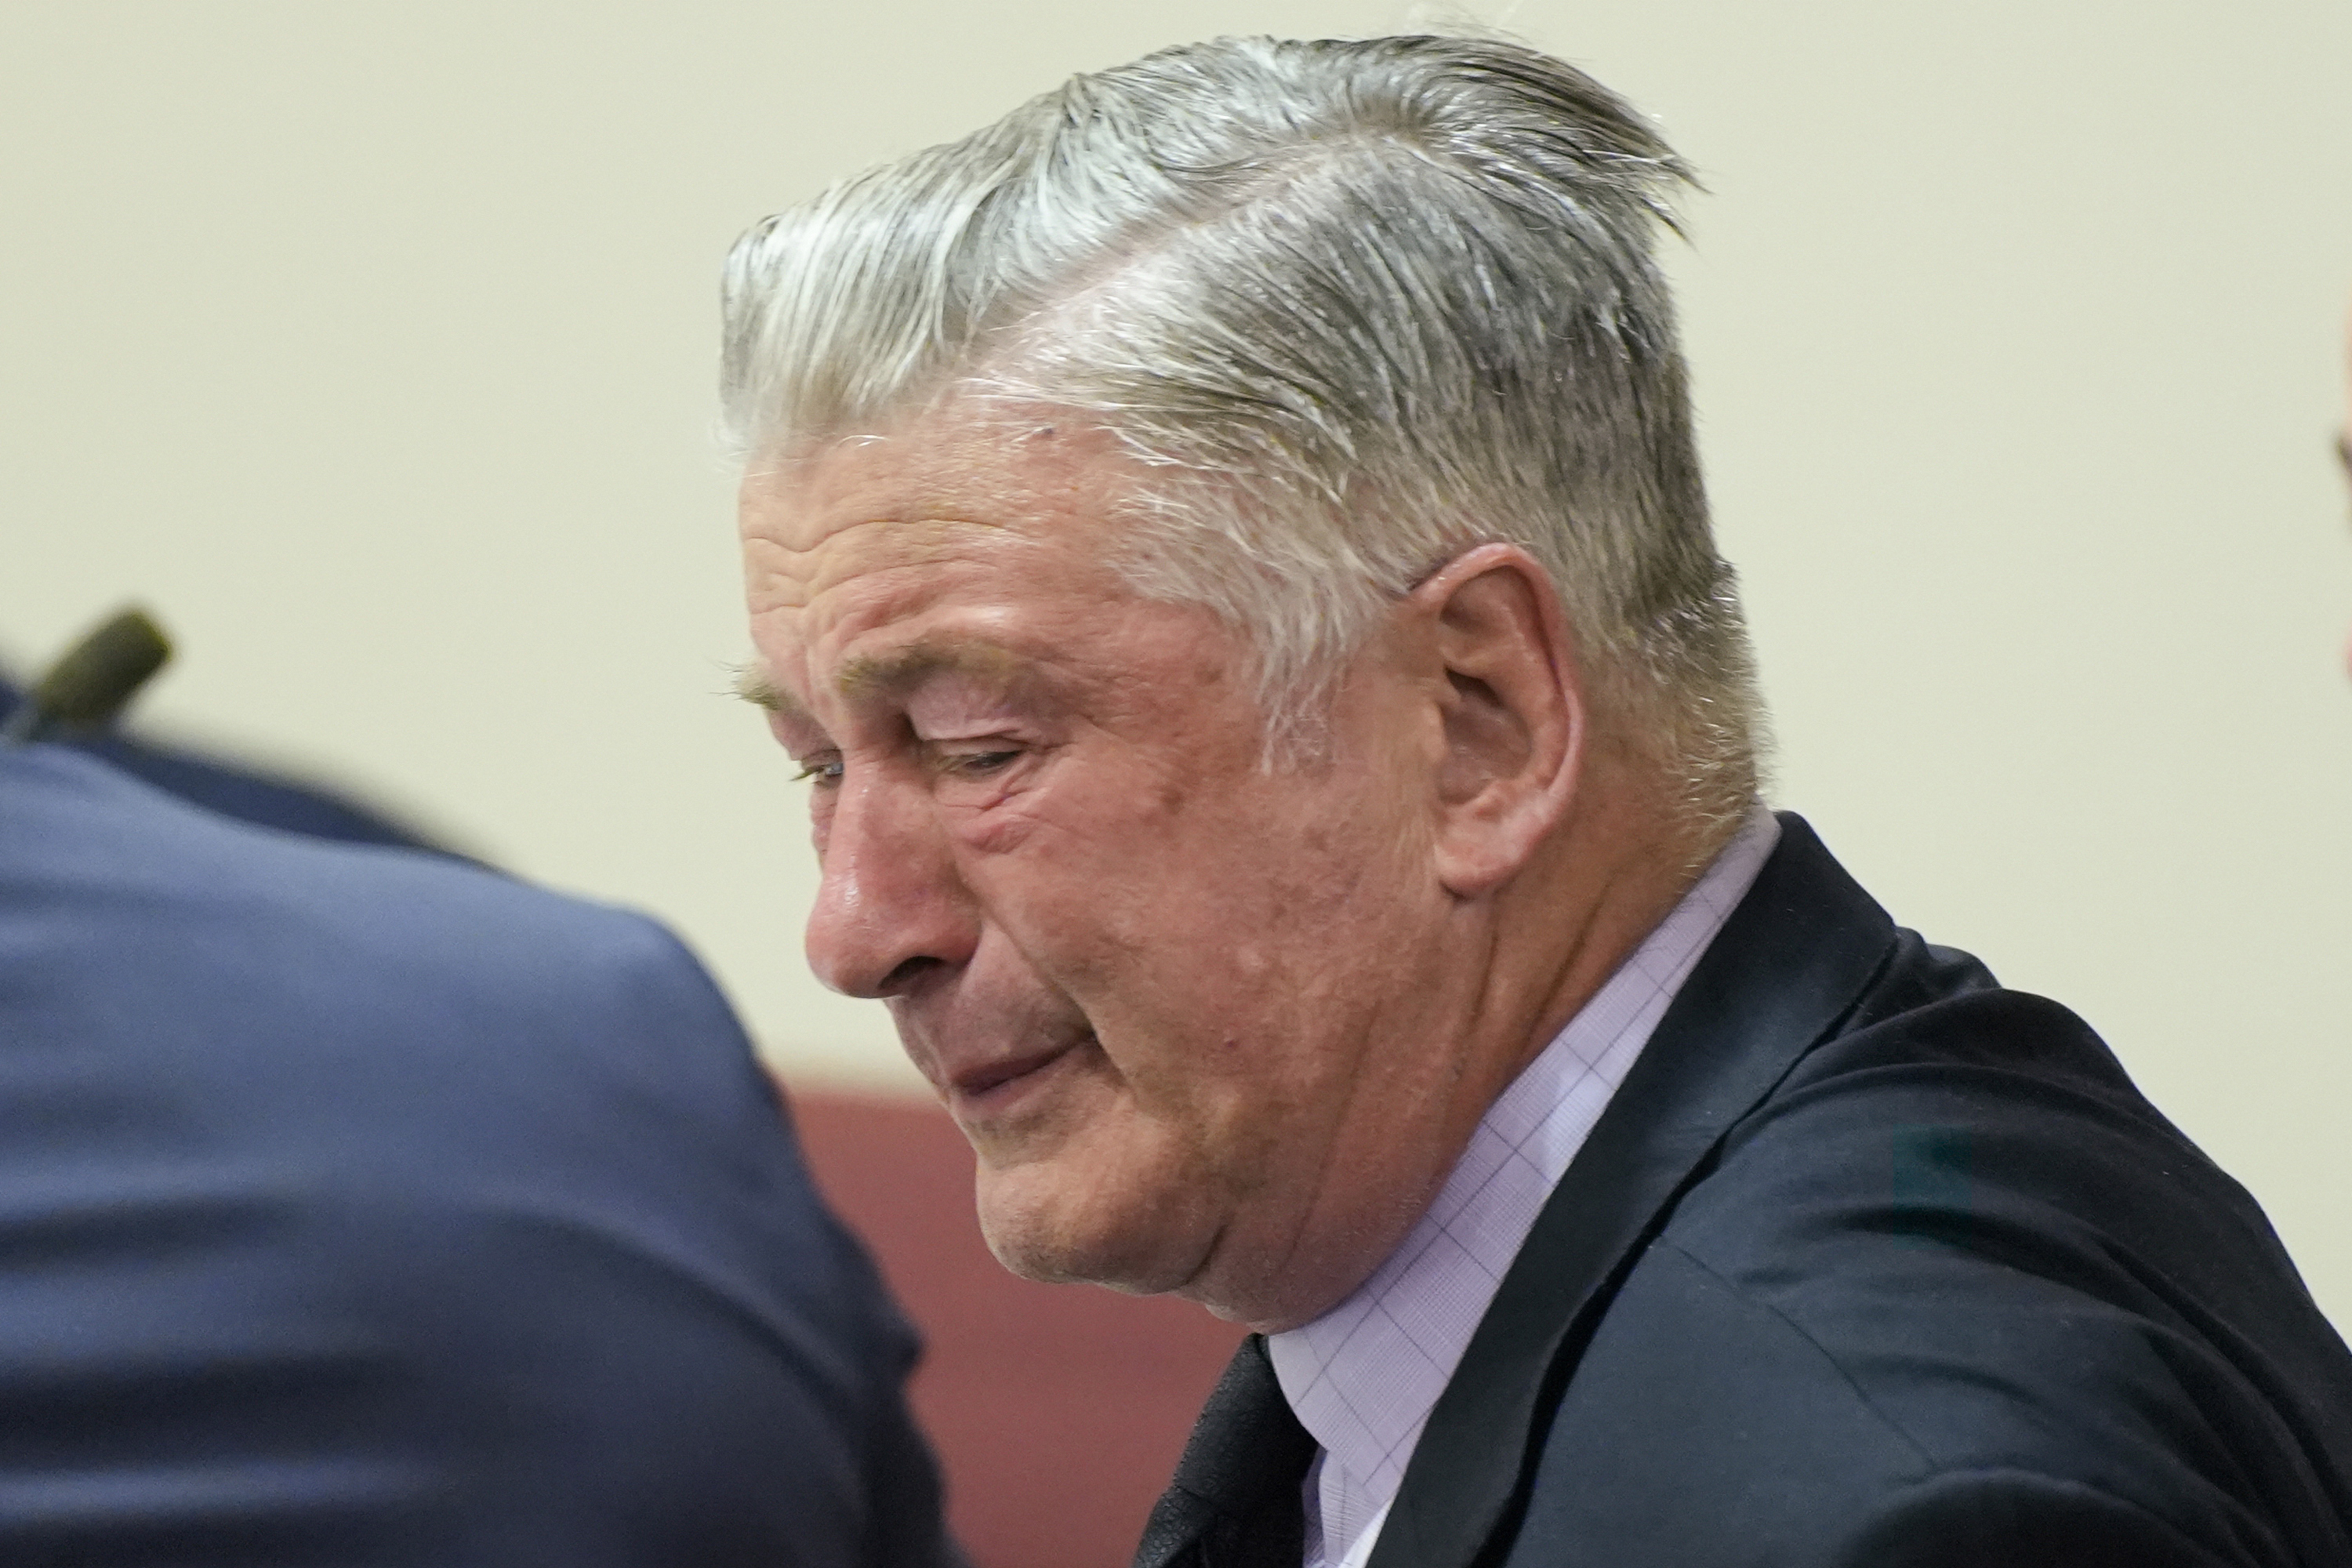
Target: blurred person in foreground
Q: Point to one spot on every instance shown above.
(1227, 545)
(364, 1207)
(234, 788)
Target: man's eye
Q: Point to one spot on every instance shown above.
(975, 763)
(824, 770)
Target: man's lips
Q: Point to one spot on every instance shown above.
(986, 1084)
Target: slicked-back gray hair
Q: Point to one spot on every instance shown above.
(1356, 305)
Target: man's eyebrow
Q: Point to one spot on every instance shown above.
(755, 685)
(892, 674)
(886, 674)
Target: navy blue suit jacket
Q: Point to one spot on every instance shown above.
(361, 1208)
(1868, 1264)
(236, 789)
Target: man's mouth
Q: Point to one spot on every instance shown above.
(990, 1088)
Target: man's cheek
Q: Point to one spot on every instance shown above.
(986, 832)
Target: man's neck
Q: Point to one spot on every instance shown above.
(1617, 867)
(1363, 1376)
(1539, 950)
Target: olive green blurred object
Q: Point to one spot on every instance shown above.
(95, 679)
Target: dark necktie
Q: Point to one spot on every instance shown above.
(1235, 1501)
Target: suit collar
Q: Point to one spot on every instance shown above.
(1235, 1501)
(1787, 965)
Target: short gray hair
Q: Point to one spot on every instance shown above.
(1356, 305)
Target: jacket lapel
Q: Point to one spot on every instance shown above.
(1235, 1501)
(1787, 965)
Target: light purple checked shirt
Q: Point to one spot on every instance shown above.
(1362, 1377)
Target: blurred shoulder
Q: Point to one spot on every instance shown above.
(77, 833)
(438, 1175)
(184, 946)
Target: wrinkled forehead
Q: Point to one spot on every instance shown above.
(972, 519)
(1018, 468)
(884, 560)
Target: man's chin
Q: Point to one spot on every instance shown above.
(1064, 1227)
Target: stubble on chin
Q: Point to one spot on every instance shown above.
(1113, 1201)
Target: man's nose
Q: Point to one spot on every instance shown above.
(890, 906)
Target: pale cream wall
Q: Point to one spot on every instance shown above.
(373, 345)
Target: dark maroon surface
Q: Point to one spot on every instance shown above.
(1058, 1410)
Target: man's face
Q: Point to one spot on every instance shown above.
(1186, 1008)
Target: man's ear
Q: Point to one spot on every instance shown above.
(1512, 712)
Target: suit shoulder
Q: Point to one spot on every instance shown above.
(171, 953)
(1696, 1385)
(1965, 1209)
(477, 1186)
(127, 870)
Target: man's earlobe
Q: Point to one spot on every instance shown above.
(1513, 714)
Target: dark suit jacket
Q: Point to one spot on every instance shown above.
(359, 1207)
(1869, 1263)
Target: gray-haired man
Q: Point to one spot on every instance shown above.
(1226, 546)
